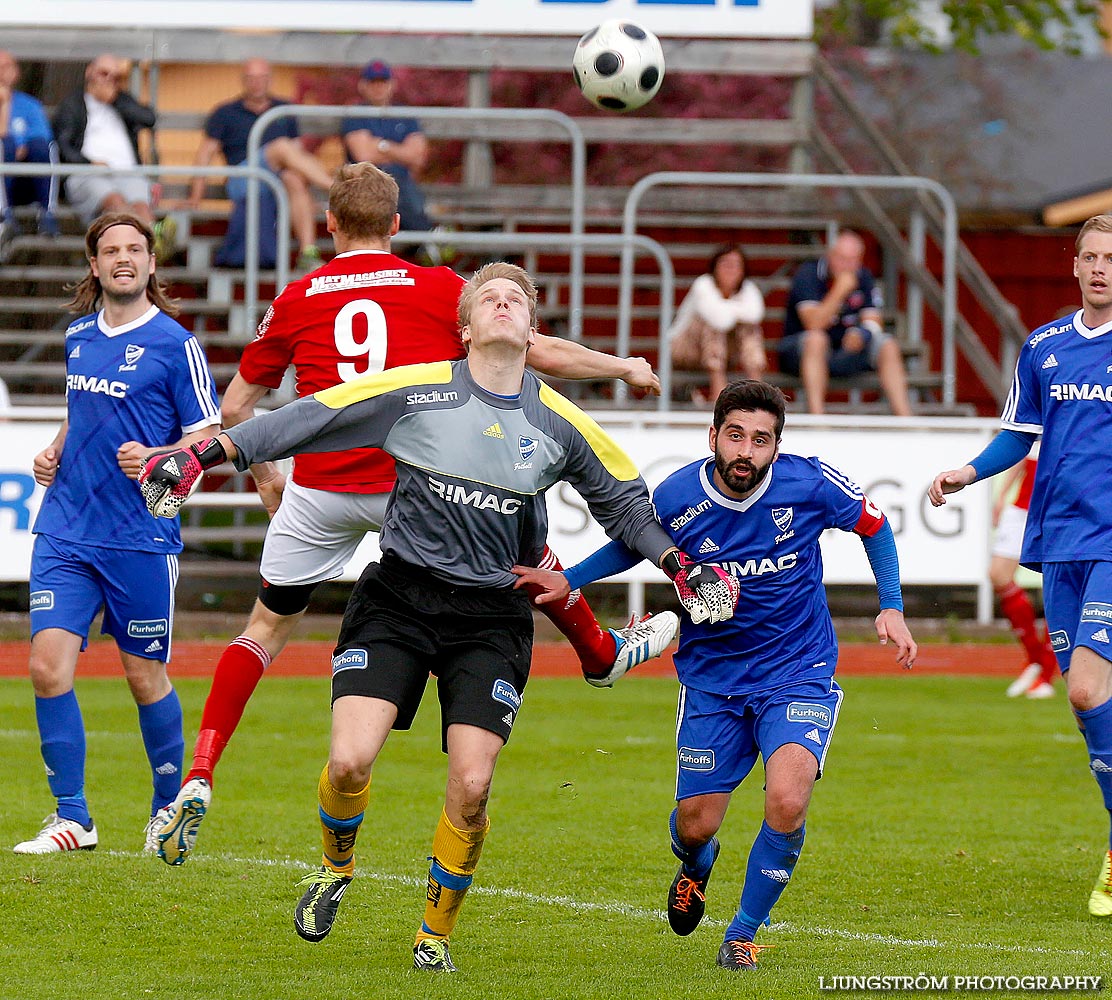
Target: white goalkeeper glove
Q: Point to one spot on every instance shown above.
(707, 593)
(168, 478)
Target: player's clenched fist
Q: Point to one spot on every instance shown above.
(168, 478)
(707, 593)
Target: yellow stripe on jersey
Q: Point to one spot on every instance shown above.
(616, 461)
(369, 386)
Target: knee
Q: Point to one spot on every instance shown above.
(889, 352)
(695, 826)
(347, 772)
(470, 790)
(48, 677)
(148, 681)
(786, 808)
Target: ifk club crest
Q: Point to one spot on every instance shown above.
(527, 446)
(782, 517)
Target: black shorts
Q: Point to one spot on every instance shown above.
(401, 624)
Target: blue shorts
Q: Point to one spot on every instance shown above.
(718, 737)
(1077, 600)
(70, 583)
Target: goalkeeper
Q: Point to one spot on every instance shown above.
(477, 443)
(764, 682)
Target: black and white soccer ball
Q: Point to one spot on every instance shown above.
(619, 65)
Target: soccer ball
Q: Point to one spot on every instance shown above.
(618, 66)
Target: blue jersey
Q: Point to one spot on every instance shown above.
(782, 631)
(1062, 389)
(28, 120)
(146, 381)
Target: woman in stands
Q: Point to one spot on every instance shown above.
(724, 308)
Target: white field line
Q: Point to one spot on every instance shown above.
(640, 913)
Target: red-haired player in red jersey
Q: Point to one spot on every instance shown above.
(363, 312)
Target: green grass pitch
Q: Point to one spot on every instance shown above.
(955, 833)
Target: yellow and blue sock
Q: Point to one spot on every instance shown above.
(771, 863)
(341, 813)
(455, 858)
(161, 726)
(62, 742)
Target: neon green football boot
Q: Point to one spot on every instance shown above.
(1100, 899)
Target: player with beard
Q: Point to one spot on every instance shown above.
(135, 380)
(762, 682)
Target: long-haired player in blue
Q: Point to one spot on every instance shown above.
(761, 683)
(135, 380)
(1062, 390)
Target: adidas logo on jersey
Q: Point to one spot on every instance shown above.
(167, 768)
(76, 352)
(776, 874)
(813, 736)
(508, 718)
(707, 546)
(495, 431)
(1098, 766)
(154, 647)
(1050, 362)
(1100, 635)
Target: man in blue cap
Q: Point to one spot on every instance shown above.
(395, 145)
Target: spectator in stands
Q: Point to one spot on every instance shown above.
(395, 145)
(226, 133)
(833, 327)
(101, 124)
(722, 308)
(25, 137)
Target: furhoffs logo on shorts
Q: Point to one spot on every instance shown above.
(696, 760)
(349, 659)
(809, 713)
(506, 693)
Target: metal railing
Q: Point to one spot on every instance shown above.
(509, 115)
(859, 181)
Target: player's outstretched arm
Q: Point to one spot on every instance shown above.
(567, 359)
(950, 482)
(890, 626)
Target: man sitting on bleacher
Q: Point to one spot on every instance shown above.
(226, 132)
(25, 137)
(832, 326)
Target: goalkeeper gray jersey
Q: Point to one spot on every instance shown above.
(472, 466)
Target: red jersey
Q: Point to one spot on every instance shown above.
(363, 312)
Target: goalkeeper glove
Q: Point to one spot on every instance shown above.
(707, 593)
(169, 478)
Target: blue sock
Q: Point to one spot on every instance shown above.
(771, 863)
(697, 861)
(62, 741)
(161, 726)
(1096, 727)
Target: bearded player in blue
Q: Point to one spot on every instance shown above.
(762, 682)
(135, 379)
(1062, 390)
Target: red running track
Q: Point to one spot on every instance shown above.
(550, 659)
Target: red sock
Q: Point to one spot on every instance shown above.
(1017, 609)
(1049, 661)
(575, 619)
(237, 675)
